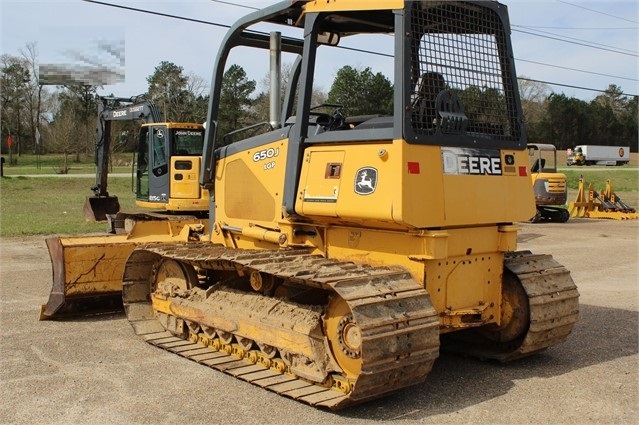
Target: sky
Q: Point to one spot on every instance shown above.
(577, 43)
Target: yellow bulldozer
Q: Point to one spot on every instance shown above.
(344, 252)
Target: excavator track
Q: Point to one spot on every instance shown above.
(551, 214)
(553, 305)
(381, 335)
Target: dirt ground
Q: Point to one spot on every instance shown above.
(96, 371)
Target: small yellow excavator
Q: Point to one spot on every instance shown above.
(166, 164)
(549, 185)
(344, 252)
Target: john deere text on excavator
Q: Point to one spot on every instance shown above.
(344, 251)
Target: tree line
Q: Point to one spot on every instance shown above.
(610, 119)
(41, 119)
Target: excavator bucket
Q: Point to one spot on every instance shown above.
(96, 208)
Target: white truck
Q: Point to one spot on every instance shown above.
(598, 155)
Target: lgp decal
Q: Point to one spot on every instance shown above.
(365, 180)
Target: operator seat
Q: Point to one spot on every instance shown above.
(538, 165)
(424, 106)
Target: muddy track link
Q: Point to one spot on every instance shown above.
(553, 300)
(399, 327)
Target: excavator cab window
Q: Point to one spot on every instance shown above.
(538, 165)
(543, 159)
(187, 142)
(159, 149)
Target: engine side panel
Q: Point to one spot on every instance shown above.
(398, 185)
(249, 185)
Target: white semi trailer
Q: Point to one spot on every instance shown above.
(598, 155)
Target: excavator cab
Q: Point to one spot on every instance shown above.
(167, 164)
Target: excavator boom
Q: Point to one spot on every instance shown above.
(97, 207)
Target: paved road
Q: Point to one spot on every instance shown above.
(96, 371)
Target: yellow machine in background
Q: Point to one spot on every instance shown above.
(87, 270)
(549, 185)
(168, 162)
(166, 166)
(606, 204)
(344, 251)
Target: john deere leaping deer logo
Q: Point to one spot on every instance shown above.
(365, 180)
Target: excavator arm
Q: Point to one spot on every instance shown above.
(98, 206)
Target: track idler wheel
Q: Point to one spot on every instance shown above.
(515, 312)
(173, 278)
(344, 336)
(177, 275)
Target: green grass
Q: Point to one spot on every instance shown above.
(622, 180)
(52, 205)
(54, 164)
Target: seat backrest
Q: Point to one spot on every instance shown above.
(538, 165)
(424, 111)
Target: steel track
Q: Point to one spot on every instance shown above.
(399, 326)
(553, 301)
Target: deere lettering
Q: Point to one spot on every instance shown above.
(471, 161)
(121, 113)
(478, 165)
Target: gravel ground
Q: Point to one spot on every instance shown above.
(96, 371)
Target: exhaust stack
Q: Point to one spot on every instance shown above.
(275, 114)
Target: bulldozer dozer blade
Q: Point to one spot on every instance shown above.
(87, 275)
(87, 270)
(96, 208)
